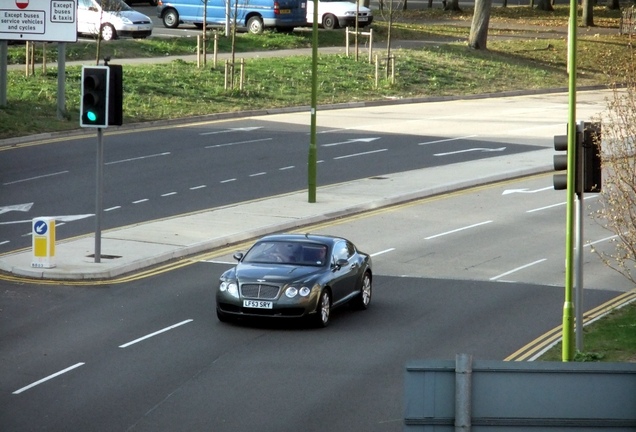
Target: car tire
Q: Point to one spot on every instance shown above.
(362, 300)
(108, 32)
(171, 18)
(323, 310)
(329, 22)
(255, 25)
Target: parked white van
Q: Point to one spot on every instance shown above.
(113, 18)
(334, 14)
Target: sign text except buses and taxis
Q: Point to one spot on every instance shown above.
(39, 20)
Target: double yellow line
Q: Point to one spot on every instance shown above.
(544, 342)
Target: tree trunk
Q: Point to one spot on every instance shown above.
(614, 4)
(545, 5)
(451, 5)
(588, 13)
(478, 37)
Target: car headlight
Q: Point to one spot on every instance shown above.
(230, 287)
(350, 13)
(292, 291)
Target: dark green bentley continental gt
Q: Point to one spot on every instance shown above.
(295, 276)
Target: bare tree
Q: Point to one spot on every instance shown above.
(618, 197)
(389, 12)
(587, 18)
(545, 5)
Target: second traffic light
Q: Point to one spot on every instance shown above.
(587, 165)
(94, 96)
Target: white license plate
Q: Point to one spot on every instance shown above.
(258, 304)
(363, 19)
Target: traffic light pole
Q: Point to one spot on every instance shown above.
(99, 195)
(567, 353)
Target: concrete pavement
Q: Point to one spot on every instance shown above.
(132, 248)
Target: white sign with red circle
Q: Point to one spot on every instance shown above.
(38, 20)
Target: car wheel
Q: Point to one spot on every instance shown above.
(255, 25)
(108, 32)
(323, 311)
(364, 298)
(329, 22)
(171, 19)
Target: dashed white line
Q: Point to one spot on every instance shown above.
(383, 252)
(34, 178)
(449, 139)
(236, 143)
(258, 174)
(286, 168)
(140, 201)
(155, 333)
(137, 158)
(48, 378)
(457, 230)
(168, 194)
(198, 187)
(4, 242)
(111, 209)
(517, 269)
(228, 180)
(360, 154)
(546, 207)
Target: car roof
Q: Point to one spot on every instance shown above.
(314, 238)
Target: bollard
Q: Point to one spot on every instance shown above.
(43, 242)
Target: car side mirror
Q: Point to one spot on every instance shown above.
(238, 256)
(341, 263)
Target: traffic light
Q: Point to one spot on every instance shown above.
(115, 96)
(94, 96)
(561, 161)
(591, 153)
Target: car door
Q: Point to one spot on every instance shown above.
(88, 16)
(344, 276)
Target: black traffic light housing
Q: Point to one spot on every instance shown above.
(115, 96)
(587, 169)
(94, 96)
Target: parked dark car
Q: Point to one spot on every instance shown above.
(295, 276)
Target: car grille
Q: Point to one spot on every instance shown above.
(259, 291)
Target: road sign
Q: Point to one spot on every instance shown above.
(43, 242)
(38, 20)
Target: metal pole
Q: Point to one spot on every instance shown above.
(99, 195)
(312, 158)
(3, 72)
(61, 80)
(463, 392)
(568, 320)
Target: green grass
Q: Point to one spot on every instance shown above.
(180, 89)
(612, 339)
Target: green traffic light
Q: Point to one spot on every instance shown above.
(91, 116)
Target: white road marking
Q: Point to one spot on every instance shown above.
(476, 149)
(168, 194)
(258, 174)
(352, 140)
(517, 269)
(137, 158)
(34, 178)
(112, 208)
(228, 180)
(4, 242)
(237, 143)
(601, 240)
(16, 207)
(48, 378)
(360, 154)
(140, 201)
(383, 252)
(244, 129)
(126, 345)
(286, 168)
(526, 191)
(448, 139)
(546, 207)
(457, 230)
(198, 187)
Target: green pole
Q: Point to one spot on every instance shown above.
(312, 159)
(567, 353)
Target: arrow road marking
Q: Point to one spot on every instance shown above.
(16, 207)
(525, 190)
(448, 139)
(349, 141)
(244, 129)
(478, 149)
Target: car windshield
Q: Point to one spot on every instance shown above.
(114, 5)
(287, 252)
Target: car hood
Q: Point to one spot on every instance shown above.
(275, 273)
(133, 16)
